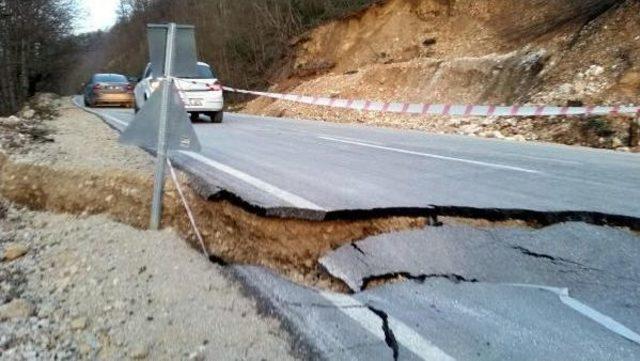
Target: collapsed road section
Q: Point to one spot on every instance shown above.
(485, 261)
(318, 171)
(417, 289)
(476, 265)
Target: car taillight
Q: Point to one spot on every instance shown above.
(130, 88)
(216, 86)
(97, 87)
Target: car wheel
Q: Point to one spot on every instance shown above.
(135, 108)
(194, 116)
(86, 101)
(216, 117)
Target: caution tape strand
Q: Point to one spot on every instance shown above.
(466, 110)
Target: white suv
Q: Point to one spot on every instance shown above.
(201, 94)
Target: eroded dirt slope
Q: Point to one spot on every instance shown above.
(472, 51)
(81, 286)
(85, 171)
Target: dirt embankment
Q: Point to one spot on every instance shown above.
(474, 52)
(81, 287)
(84, 171)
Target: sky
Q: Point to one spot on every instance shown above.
(96, 15)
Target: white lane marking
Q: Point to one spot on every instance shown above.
(100, 114)
(113, 119)
(562, 161)
(594, 315)
(326, 137)
(405, 335)
(255, 182)
(435, 156)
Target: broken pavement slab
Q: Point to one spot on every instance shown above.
(435, 320)
(314, 170)
(597, 264)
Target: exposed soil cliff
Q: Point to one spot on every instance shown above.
(478, 52)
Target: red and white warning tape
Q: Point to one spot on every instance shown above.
(448, 109)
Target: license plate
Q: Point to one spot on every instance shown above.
(195, 102)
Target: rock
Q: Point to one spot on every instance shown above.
(27, 113)
(471, 129)
(594, 70)
(12, 121)
(518, 138)
(196, 356)
(16, 309)
(495, 134)
(44, 99)
(79, 323)
(624, 149)
(565, 88)
(139, 352)
(616, 142)
(13, 251)
(455, 122)
(488, 121)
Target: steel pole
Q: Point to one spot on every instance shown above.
(161, 157)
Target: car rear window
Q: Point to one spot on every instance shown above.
(110, 78)
(204, 72)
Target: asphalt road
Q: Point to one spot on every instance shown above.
(291, 164)
(565, 292)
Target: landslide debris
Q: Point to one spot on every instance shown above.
(27, 127)
(564, 53)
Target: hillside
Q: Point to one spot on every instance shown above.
(477, 52)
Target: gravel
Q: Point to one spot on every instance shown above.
(92, 288)
(86, 287)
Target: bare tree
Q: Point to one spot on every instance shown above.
(244, 40)
(30, 32)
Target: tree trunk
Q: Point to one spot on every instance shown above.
(634, 132)
(24, 70)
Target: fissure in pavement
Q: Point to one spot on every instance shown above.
(232, 233)
(389, 337)
(393, 277)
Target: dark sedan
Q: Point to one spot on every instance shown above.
(108, 90)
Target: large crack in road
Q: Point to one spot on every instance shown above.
(233, 234)
(297, 244)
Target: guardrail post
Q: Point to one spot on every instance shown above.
(161, 157)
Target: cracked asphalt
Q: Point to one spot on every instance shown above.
(568, 291)
(286, 166)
